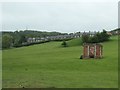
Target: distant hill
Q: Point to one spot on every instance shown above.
(31, 33)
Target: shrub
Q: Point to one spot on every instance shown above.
(85, 38)
(64, 44)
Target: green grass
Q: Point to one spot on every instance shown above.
(74, 42)
(0, 69)
(49, 65)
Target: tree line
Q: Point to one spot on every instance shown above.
(97, 38)
(15, 39)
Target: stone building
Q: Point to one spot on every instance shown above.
(92, 51)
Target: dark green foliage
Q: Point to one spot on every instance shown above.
(28, 44)
(18, 40)
(85, 38)
(64, 44)
(94, 39)
(6, 41)
(105, 36)
(65, 39)
(31, 34)
(97, 38)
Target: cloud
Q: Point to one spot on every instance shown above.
(64, 17)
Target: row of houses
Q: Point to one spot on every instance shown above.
(69, 36)
(114, 32)
(59, 37)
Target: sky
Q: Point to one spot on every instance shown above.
(59, 16)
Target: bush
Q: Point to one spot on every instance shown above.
(93, 39)
(85, 38)
(64, 44)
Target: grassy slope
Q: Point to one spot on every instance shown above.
(48, 65)
(75, 42)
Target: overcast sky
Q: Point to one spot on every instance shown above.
(60, 16)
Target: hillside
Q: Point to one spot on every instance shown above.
(74, 42)
(49, 65)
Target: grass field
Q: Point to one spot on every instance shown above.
(48, 65)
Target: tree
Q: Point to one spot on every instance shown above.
(7, 41)
(22, 39)
(93, 39)
(18, 40)
(85, 38)
(103, 36)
